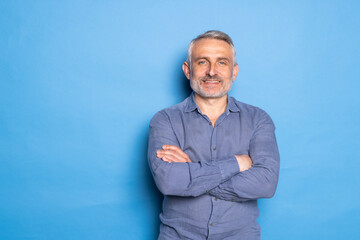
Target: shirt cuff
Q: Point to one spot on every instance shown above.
(228, 168)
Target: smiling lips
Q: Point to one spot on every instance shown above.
(211, 82)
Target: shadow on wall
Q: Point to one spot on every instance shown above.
(182, 84)
(148, 188)
(181, 90)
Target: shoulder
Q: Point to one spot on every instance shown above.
(171, 112)
(252, 113)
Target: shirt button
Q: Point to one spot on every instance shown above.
(211, 224)
(233, 200)
(210, 123)
(207, 190)
(214, 148)
(216, 199)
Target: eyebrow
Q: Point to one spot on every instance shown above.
(224, 58)
(206, 58)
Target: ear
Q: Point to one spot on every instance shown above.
(235, 71)
(186, 69)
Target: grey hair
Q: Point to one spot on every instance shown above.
(212, 34)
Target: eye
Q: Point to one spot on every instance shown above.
(223, 63)
(202, 62)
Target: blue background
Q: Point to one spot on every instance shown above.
(80, 81)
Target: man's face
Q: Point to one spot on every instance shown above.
(212, 69)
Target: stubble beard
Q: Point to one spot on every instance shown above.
(196, 87)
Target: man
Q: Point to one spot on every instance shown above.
(211, 156)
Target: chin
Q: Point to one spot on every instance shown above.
(207, 94)
(211, 95)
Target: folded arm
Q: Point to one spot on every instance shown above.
(184, 178)
(261, 179)
(171, 153)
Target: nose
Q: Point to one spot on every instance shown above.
(211, 71)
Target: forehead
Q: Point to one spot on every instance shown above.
(211, 48)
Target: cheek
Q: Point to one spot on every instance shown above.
(197, 71)
(231, 75)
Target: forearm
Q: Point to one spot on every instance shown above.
(261, 179)
(191, 179)
(258, 182)
(183, 179)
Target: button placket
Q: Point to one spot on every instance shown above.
(213, 143)
(214, 216)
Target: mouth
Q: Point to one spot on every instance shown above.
(211, 81)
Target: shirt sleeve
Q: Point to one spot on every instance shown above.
(261, 180)
(183, 179)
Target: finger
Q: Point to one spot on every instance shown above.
(160, 153)
(165, 159)
(170, 158)
(169, 147)
(174, 148)
(175, 156)
(177, 149)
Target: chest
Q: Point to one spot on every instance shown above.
(204, 142)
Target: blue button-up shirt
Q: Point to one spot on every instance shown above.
(209, 198)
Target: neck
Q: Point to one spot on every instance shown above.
(211, 107)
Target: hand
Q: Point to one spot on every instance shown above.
(171, 153)
(244, 162)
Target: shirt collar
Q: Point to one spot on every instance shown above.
(232, 107)
(191, 105)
